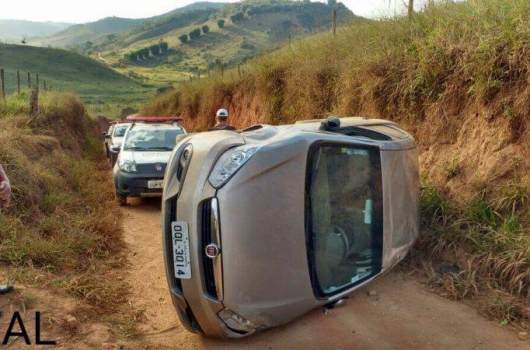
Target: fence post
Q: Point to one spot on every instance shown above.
(334, 22)
(37, 75)
(34, 101)
(18, 82)
(29, 80)
(3, 84)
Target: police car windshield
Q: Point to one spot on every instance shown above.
(143, 139)
(120, 131)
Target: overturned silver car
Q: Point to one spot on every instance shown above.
(265, 224)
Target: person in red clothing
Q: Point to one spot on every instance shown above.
(5, 189)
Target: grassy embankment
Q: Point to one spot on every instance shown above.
(457, 77)
(62, 231)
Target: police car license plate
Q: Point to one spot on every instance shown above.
(181, 249)
(155, 183)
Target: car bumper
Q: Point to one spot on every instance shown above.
(135, 185)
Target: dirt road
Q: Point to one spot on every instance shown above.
(401, 315)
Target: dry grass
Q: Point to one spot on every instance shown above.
(63, 229)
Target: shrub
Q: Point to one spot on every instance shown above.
(221, 23)
(238, 17)
(132, 56)
(164, 47)
(155, 49)
(195, 33)
(205, 29)
(183, 38)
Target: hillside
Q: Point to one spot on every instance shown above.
(65, 71)
(81, 33)
(456, 76)
(13, 30)
(250, 27)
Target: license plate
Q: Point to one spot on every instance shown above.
(155, 183)
(181, 249)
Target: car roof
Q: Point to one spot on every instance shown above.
(122, 124)
(155, 126)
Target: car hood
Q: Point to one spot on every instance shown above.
(146, 157)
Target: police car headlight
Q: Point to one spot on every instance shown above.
(229, 163)
(127, 166)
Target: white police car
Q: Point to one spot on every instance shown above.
(143, 156)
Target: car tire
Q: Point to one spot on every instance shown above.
(122, 200)
(113, 159)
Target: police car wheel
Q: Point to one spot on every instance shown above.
(122, 200)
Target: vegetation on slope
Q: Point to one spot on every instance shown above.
(62, 219)
(62, 230)
(456, 76)
(250, 27)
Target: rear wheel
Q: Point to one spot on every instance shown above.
(122, 200)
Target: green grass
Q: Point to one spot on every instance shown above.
(65, 71)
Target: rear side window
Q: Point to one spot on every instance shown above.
(344, 216)
(120, 131)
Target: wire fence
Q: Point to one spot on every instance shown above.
(17, 81)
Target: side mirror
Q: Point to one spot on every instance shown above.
(330, 124)
(115, 149)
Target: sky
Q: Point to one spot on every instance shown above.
(80, 11)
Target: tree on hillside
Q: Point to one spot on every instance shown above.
(205, 29)
(238, 17)
(155, 49)
(221, 23)
(143, 53)
(164, 47)
(132, 56)
(195, 34)
(183, 38)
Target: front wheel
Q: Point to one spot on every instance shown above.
(122, 200)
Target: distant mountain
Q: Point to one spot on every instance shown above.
(250, 27)
(15, 30)
(87, 32)
(81, 33)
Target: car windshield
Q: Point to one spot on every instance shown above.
(120, 131)
(345, 231)
(144, 139)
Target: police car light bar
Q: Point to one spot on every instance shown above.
(154, 119)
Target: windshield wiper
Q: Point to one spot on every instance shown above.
(163, 148)
(135, 148)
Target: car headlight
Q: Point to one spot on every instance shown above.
(229, 163)
(127, 166)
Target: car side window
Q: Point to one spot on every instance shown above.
(345, 229)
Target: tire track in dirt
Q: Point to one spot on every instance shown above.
(402, 314)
